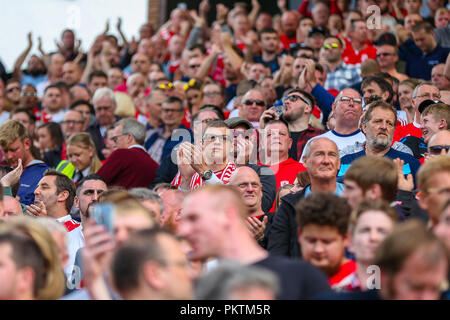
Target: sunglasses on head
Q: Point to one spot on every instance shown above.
(250, 102)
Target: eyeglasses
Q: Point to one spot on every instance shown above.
(211, 137)
(384, 54)
(435, 96)
(12, 89)
(436, 150)
(330, 45)
(68, 122)
(29, 94)
(167, 86)
(259, 103)
(171, 110)
(212, 93)
(295, 98)
(115, 138)
(347, 100)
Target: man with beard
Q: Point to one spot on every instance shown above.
(289, 23)
(88, 191)
(54, 198)
(269, 42)
(378, 125)
(298, 106)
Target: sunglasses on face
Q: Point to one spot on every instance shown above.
(190, 84)
(29, 94)
(12, 89)
(330, 45)
(295, 98)
(250, 102)
(436, 150)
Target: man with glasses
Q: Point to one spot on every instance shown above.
(439, 144)
(252, 107)
(208, 162)
(213, 94)
(29, 98)
(161, 142)
(129, 166)
(347, 108)
(168, 168)
(104, 102)
(340, 75)
(13, 89)
(387, 56)
(297, 108)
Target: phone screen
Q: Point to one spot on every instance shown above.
(103, 213)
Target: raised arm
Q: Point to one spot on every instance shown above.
(20, 60)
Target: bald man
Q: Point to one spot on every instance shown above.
(247, 181)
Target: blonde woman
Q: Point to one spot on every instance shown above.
(82, 155)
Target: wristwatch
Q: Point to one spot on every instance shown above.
(207, 175)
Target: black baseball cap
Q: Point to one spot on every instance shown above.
(424, 104)
(387, 38)
(317, 31)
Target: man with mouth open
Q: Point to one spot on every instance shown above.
(378, 125)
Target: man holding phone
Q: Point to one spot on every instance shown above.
(298, 105)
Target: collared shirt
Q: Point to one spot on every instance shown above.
(75, 241)
(299, 140)
(344, 76)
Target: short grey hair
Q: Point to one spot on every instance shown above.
(133, 127)
(427, 83)
(104, 92)
(147, 194)
(134, 76)
(307, 150)
(227, 276)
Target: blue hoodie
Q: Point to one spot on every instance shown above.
(29, 180)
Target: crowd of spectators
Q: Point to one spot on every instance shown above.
(296, 154)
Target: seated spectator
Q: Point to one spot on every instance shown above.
(323, 236)
(370, 223)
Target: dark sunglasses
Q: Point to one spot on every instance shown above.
(436, 150)
(259, 103)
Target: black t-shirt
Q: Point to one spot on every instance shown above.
(293, 150)
(299, 280)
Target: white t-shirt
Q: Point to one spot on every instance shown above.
(342, 140)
